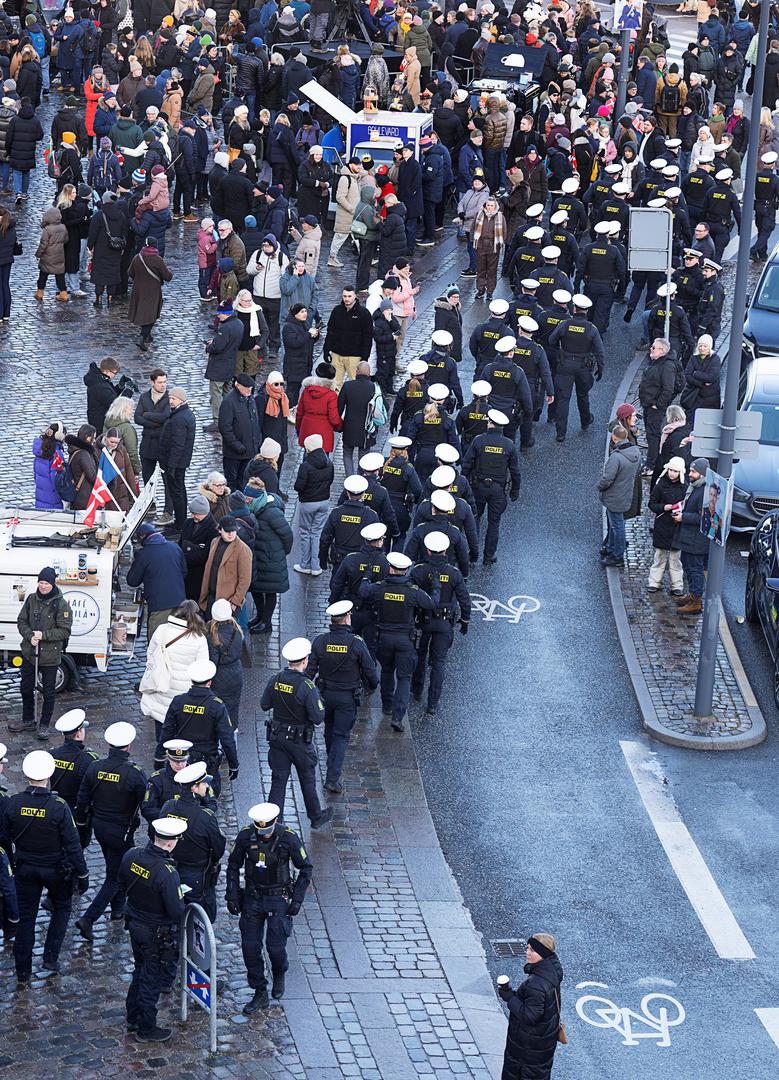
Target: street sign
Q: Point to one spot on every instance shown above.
(198, 965)
(651, 239)
(706, 434)
(198, 985)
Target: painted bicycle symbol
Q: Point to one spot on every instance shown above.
(658, 1014)
(513, 610)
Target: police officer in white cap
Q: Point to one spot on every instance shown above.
(437, 627)
(582, 356)
(603, 272)
(523, 302)
(766, 204)
(342, 668)
(155, 905)
(430, 427)
(71, 761)
(199, 850)
(110, 798)
(39, 837)
(270, 897)
(403, 486)
(688, 280)
(398, 603)
(440, 514)
(572, 206)
(712, 300)
(492, 466)
(444, 480)
(441, 367)
(9, 905)
(523, 260)
(560, 234)
(445, 454)
(162, 782)
(550, 276)
(341, 532)
(531, 357)
(297, 709)
(201, 718)
(720, 210)
(679, 329)
(471, 420)
(510, 389)
(369, 563)
(486, 335)
(411, 397)
(376, 495)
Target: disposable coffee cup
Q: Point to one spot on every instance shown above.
(502, 980)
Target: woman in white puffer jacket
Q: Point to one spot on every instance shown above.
(177, 643)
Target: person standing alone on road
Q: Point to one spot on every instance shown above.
(534, 1013)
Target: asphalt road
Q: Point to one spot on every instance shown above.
(539, 815)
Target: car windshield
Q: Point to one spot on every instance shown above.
(769, 434)
(767, 297)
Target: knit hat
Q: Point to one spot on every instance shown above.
(700, 464)
(270, 449)
(158, 170)
(679, 465)
(250, 221)
(226, 265)
(199, 504)
(225, 308)
(237, 501)
(30, 20)
(312, 442)
(68, 137)
(385, 305)
(105, 143)
(139, 176)
(48, 574)
(274, 192)
(706, 339)
(179, 392)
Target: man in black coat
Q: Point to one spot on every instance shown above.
(239, 427)
(199, 530)
(176, 444)
(151, 412)
(237, 193)
(70, 118)
(353, 400)
(656, 392)
(222, 353)
(349, 337)
(101, 390)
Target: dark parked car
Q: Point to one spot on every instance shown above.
(761, 601)
(761, 325)
(756, 480)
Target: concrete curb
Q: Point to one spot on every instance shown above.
(649, 716)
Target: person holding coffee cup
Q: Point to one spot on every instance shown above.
(535, 1025)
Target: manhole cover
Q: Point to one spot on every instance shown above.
(504, 948)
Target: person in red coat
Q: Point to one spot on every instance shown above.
(317, 411)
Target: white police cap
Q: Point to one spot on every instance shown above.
(559, 216)
(372, 462)
(71, 721)
(177, 748)
(442, 338)
(671, 170)
(601, 228)
(398, 561)
(672, 192)
(621, 188)
(614, 228)
(443, 501)
(447, 453)
(499, 307)
(296, 649)
(437, 542)
(264, 814)
(535, 232)
(658, 163)
(443, 477)
(613, 169)
(506, 344)
(400, 442)
(711, 265)
(356, 484)
(667, 289)
(551, 251)
(417, 367)
(192, 774)
(656, 204)
(495, 416)
(375, 531)
(581, 301)
(481, 388)
(38, 765)
(524, 322)
(120, 734)
(570, 185)
(673, 144)
(3, 754)
(202, 671)
(561, 296)
(535, 210)
(438, 392)
(724, 174)
(169, 827)
(340, 607)
(528, 283)
(769, 157)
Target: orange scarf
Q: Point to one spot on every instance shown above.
(277, 401)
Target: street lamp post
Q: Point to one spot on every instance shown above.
(624, 73)
(704, 688)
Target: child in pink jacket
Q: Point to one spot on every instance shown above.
(207, 243)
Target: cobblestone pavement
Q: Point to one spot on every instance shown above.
(667, 644)
(387, 975)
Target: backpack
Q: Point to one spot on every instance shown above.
(89, 42)
(54, 166)
(679, 380)
(64, 483)
(670, 98)
(38, 42)
(376, 416)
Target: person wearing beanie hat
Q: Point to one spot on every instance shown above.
(45, 623)
(197, 534)
(690, 540)
(618, 488)
(239, 426)
(666, 494)
(147, 271)
(312, 483)
(448, 316)
(702, 379)
(225, 650)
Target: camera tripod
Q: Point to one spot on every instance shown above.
(348, 23)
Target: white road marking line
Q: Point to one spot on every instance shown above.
(688, 864)
(769, 1018)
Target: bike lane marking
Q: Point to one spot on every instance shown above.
(688, 864)
(769, 1018)
(654, 1018)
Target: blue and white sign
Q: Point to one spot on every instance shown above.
(198, 986)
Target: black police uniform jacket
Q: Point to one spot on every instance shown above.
(37, 826)
(294, 699)
(462, 516)
(458, 545)
(152, 884)
(202, 718)
(265, 863)
(342, 529)
(454, 592)
(161, 787)
(340, 661)
(492, 456)
(71, 761)
(377, 499)
(399, 601)
(111, 792)
(368, 563)
(203, 844)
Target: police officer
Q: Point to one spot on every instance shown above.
(442, 508)
(530, 356)
(459, 487)
(720, 210)
(689, 286)
(71, 761)
(597, 193)
(561, 236)
(523, 302)
(679, 332)
(404, 487)
(270, 897)
(155, 905)
(550, 319)
(429, 428)
(441, 367)
(109, 798)
(486, 335)
(438, 626)
(615, 208)
(162, 782)
(652, 184)
(444, 478)
(550, 277)
(341, 533)
(368, 563)
(528, 254)
(602, 266)
(202, 846)
(492, 466)
(342, 667)
(581, 363)
(297, 709)
(376, 495)
(9, 905)
(712, 300)
(472, 418)
(398, 601)
(202, 718)
(682, 229)
(38, 834)
(510, 389)
(766, 205)
(696, 187)
(572, 206)
(410, 398)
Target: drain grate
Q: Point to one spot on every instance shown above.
(505, 948)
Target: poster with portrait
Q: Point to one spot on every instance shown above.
(628, 14)
(717, 507)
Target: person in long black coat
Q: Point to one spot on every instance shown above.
(386, 331)
(702, 377)
(106, 273)
(354, 397)
(225, 645)
(673, 440)
(449, 316)
(669, 490)
(312, 197)
(298, 350)
(392, 239)
(239, 427)
(23, 135)
(409, 189)
(534, 1014)
(75, 218)
(195, 542)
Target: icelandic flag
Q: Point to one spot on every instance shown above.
(57, 461)
(106, 472)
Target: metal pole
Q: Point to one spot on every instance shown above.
(667, 326)
(624, 74)
(191, 910)
(704, 688)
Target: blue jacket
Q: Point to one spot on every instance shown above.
(646, 81)
(742, 31)
(70, 52)
(469, 159)
(409, 188)
(432, 177)
(715, 31)
(104, 122)
(446, 162)
(333, 143)
(46, 497)
(159, 565)
(273, 544)
(154, 224)
(350, 81)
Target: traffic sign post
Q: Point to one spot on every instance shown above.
(198, 965)
(707, 434)
(650, 248)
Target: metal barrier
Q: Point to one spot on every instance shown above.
(198, 954)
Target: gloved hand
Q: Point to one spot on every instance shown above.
(463, 626)
(232, 776)
(598, 373)
(82, 884)
(233, 907)
(294, 908)
(10, 926)
(505, 992)
(514, 496)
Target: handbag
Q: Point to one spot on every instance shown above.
(116, 243)
(562, 1036)
(18, 249)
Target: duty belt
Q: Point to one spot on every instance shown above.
(293, 732)
(257, 891)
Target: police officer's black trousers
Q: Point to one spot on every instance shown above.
(493, 497)
(720, 234)
(364, 624)
(150, 974)
(602, 294)
(282, 755)
(340, 716)
(205, 896)
(435, 643)
(570, 375)
(30, 883)
(640, 279)
(264, 917)
(397, 656)
(765, 219)
(113, 847)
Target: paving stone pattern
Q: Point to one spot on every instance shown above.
(387, 976)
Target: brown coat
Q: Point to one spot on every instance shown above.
(146, 298)
(234, 576)
(413, 74)
(117, 488)
(50, 252)
(171, 105)
(83, 463)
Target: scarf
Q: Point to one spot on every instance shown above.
(156, 396)
(669, 428)
(259, 502)
(278, 402)
(498, 236)
(254, 322)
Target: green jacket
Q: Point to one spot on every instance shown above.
(52, 615)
